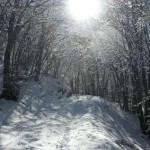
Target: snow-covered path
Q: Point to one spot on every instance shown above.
(40, 122)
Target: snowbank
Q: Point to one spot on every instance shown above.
(55, 88)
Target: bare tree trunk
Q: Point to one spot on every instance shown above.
(9, 90)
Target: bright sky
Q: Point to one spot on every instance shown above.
(84, 9)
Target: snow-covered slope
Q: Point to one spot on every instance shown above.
(54, 88)
(43, 121)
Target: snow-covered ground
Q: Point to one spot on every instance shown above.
(41, 120)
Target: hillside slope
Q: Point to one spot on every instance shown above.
(44, 119)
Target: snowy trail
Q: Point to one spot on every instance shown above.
(40, 122)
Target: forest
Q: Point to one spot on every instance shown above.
(107, 55)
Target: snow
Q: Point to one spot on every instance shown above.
(45, 119)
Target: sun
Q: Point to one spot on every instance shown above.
(83, 9)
